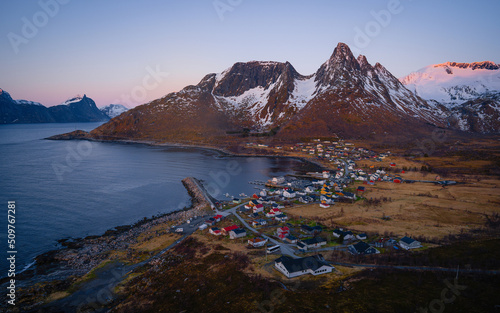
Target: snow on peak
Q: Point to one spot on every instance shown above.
(113, 110)
(74, 99)
(453, 83)
(484, 65)
(27, 102)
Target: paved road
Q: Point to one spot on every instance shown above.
(286, 249)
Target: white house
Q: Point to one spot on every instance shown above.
(278, 180)
(257, 242)
(273, 212)
(312, 243)
(258, 208)
(309, 189)
(289, 193)
(281, 217)
(362, 248)
(237, 233)
(314, 265)
(215, 231)
(361, 236)
(408, 243)
(259, 222)
(348, 235)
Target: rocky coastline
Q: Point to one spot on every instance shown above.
(78, 257)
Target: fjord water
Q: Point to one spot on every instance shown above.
(71, 189)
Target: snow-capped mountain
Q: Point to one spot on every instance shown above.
(113, 110)
(352, 97)
(74, 99)
(346, 96)
(467, 95)
(77, 109)
(454, 83)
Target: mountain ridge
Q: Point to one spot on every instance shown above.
(261, 96)
(77, 109)
(467, 94)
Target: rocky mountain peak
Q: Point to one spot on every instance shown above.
(242, 77)
(484, 65)
(339, 67)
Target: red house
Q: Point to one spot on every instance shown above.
(282, 232)
(218, 217)
(226, 230)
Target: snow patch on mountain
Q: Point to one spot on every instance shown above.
(453, 83)
(27, 102)
(113, 110)
(304, 91)
(74, 99)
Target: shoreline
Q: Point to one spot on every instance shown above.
(45, 263)
(222, 151)
(80, 256)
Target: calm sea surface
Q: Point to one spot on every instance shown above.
(78, 188)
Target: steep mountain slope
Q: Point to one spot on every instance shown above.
(467, 94)
(22, 111)
(78, 109)
(113, 110)
(345, 96)
(354, 98)
(481, 115)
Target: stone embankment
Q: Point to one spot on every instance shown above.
(82, 255)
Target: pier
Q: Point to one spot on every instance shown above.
(199, 194)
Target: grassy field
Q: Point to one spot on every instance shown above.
(418, 209)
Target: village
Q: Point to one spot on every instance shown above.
(261, 221)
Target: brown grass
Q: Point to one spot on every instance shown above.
(415, 209)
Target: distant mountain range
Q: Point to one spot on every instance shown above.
(346, 96)
(76, 109)
(467, 95)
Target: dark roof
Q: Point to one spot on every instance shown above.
(297, 265)
(407, 240)
(361, 247)
(290, 237)
(306, 227)
(239, 231)
(342, 233)
(313, 241)
(311, 229)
